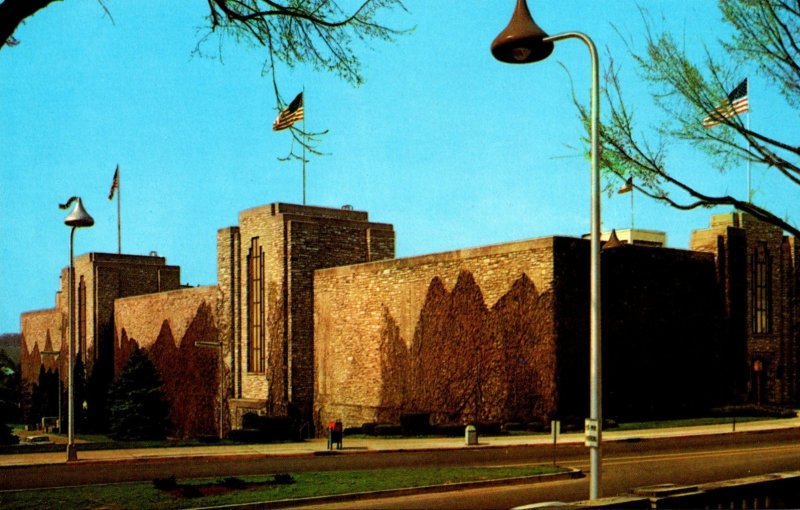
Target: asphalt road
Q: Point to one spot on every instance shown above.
(627, 464)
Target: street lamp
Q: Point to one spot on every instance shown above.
(522, 42)
(76, 219)
(217, 345)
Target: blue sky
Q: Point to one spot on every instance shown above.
(453, 148)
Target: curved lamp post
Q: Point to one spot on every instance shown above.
(76, 219)
(523, 42)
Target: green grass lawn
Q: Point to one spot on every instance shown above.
(211, 491)
(689, 422)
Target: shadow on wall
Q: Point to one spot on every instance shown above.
(190, 373)
(470, 363)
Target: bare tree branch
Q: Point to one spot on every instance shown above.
(766, 34)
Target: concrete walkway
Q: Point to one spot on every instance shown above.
(373, 444)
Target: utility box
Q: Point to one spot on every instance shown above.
(471, 435)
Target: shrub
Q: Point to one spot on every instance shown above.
(283, 479)
(259, 429)
(386, 429)
(165, 484)
(232, 482)
(415, 424)
(7, 436)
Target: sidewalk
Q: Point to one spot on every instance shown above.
(377, 444)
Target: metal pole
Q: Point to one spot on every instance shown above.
(595, 359)
(633, 190)
(305, 141)
(749, 178)
(119, 213)
(72, 454)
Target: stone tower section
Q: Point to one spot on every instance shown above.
(271, 257)
(757, 270)
(100, 278)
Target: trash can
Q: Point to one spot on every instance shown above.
(335, 434)
(471, 435)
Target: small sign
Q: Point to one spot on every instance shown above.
(555, 429)
(592, 431)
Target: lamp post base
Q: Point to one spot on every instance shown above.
(72, 453)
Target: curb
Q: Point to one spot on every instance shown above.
(207, 457)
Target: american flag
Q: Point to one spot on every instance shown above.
(114, 184)
(735, 104)
(290, 114)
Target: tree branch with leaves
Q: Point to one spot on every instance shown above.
(319, 33)
(326, 35)
(764, 36)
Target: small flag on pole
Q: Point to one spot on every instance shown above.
(735, 104)
(114, 184)
(627, 187)
(290, 115)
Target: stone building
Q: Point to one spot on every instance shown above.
(100, 279)
(757, 271)
(316, 319)
(265, 275)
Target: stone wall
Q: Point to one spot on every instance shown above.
(43, 331)
(500, 334)
(167, 326)
(451, 334)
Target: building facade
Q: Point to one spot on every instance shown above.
(100, 279)
(266, 270)
(314, 318)
(500, 334)
(757, 270)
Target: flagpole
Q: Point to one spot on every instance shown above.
(749, 183)
(633, 190)
(305, 141)
(119, 214)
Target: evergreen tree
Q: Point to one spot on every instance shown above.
(44, 396)
(138, 408)
(10, 398)
(7, 436)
